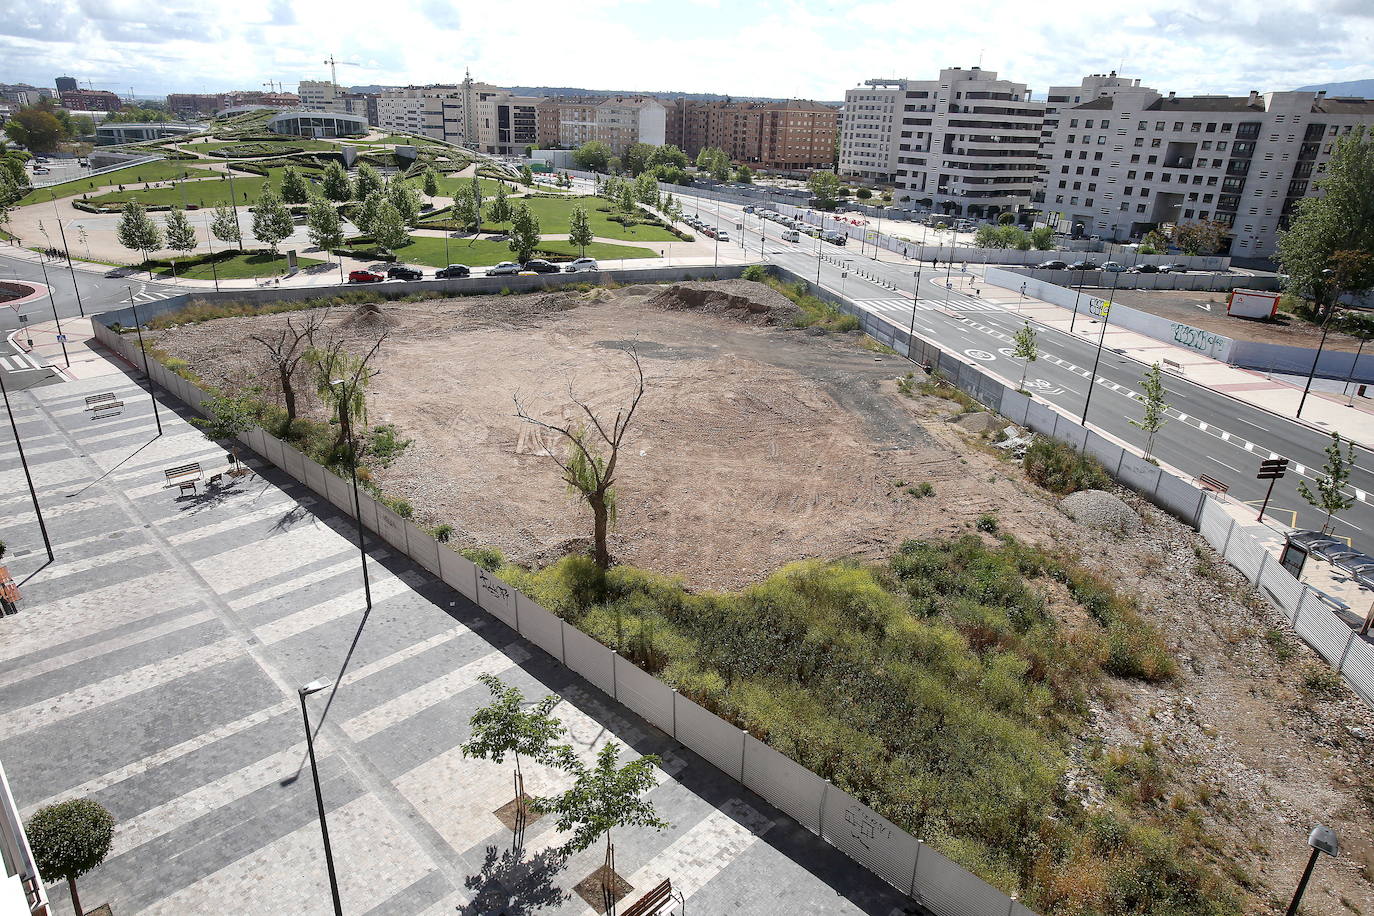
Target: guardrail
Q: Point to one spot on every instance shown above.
(53, 183)
(20, 869)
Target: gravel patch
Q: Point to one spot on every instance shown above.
(1100, 509)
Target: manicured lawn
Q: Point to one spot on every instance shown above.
(482, 253)
(449, 185)
(162, 170)
(202, 193)
(554, 214)
(238, 266)
(303, 143)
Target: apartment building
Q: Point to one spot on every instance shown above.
(1123, 164)
(23, 94)
(323, 95)
(618, 121)
(90, 100)
(501, 122)
(193, 105)
(566, 120)
(966, 143)
(791, 135)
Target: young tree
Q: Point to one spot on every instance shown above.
(230, 415)
(475, 195)
(288, 349)
(499, 211)
(463, 214)
(431, 183)
(580, 229)
(503, 727)
(1025, 349)
(271, 220)
(336, 185)
(368, 180)
(592, 156)
(1328, 497)
(526, 175)
(744, 175)
(670, 156)
(348, 401)
(1156, 243)
(646, 188)
(137, 231)
(389, 229)
(322, 224)
(403, 197)
(1201, 238)
(1340, 218)
(637, 157)
(225, 226)
(294, 188)
(181, 235)
(69, 839)
(1156, 409)
(588, 473)
(1042, 237)
(825, 187)
(629, 199)
(524, 233)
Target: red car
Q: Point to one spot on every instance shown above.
(364, 276)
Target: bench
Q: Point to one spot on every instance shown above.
(653, 902)
(94, 401)
(1170, 364)
(184, 477)
(1208, 482)
(106, 409)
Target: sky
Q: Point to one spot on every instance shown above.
(776, 48)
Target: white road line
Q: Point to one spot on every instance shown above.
(1223, 463)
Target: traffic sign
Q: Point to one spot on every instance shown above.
(1272, 469)
(61, 337)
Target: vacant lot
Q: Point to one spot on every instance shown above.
(1205, 310)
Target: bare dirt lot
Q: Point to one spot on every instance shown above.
(1206, 310)
(759, 444)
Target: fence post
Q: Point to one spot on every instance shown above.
(1341, 664)
(615, 681)
(1264, 558)
(743, 749)
(1201, 508)
(912, 893)
(1297, 611)
(1227, 543)
(820, 820)
(675, 713)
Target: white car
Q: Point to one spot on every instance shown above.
(504, 269)
(579, 265)
(723, 236)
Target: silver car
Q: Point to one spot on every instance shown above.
(504, 269)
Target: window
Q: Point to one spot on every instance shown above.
(1188, 214)
(1078, 171)
(1101, 141)
(1135, 158)
(1095, 172)
(1097, 157)
(1159, 125)
(1078, 185)
(1088, 202)
(1071, 137)
(1226, 128)
(1144, 192)
(1151, 160)
(1195, 127)
(1073, 123)
(1178, 125)
(1221, 146)
(1139, 141)
(1063, 170)
(1206, 144)
(1059, 198)
(1131, 175)
(1129, 190)
(1140, 208)
(1061, 184)
(1141, 125)
(1092, 186)
(1202, 214)
(1156, 142)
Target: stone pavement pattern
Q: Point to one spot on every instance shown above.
(154, 666)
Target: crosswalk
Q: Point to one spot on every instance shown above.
(156, 295)
(19, 362)
(903, 306)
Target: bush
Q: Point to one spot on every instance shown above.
(489, 558)
(442, 533)
(987, 522)
(1059, 468)
(755, 272)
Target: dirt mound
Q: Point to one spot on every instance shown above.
(1100, 509)
(981, 422)
(368, 318)
(739, 300)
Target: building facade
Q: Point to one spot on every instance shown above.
(966, 144)
(1120, 165)
(317, 124)
(618, 121)
(91, 100)
(109, 134)
(323, 95)
(189, 105)
(791, 135)
(23, 94)
(66, 83)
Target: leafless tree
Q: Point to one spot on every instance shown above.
(333, 363)
(586, 470)
(286, 351)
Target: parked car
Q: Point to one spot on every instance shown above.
(1052, 265)
(364, 276)
(540, 266)
(833, 237)
(1143, 269)
(1173, 268)
(401, 272)
(453, 271)
(723, 236)
(1083, 265)
(579, 265)
(748, 209)
(504, 269)
(1114, 267)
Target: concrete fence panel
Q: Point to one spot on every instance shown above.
(1358, 668)
(869, 838)
(255, 438)
(789, 786)
(589, 658)
(1040, 418)
(1107, 452)
(540, 627)
(459, 573)
(367, 507)
(710, 736)
(422, 547)
(315, 478)
(293, 462)
(1216, 523)
(392, 528)
(945, 888)
(497, 598)
(1179, 497)
(340, 493)
(1138, 474)
(1014, 406)
(272, 450)
(1070, 432)
(644, 694)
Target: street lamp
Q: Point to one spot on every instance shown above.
(1327, 275)
(353, 471)
(1322, 840)
(915, 296)
(33, 494)
(52, 300)
(307, 690)
(1106, 317)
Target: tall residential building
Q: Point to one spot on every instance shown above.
(23, 93)
(617, 121)
(966, 143)
(1123, 164)
(323, 95)
(786, 136)
(91, 100)
(66, 83)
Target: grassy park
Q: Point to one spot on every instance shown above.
(161, 170)
(210, 193)
(554, 213)
(227, 265)
(432, 252)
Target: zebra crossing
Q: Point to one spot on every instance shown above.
(156, 295)
(19, 362)
(903, 306)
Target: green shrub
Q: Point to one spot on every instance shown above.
(1323, 681)
(385, 445)
(442, 533)
(1061, 469)
(925, 489)
(987, 522)
(489, 558)
(754, 272)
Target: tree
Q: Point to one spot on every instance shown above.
(464, 216)
(502, 727)
(181, 235)
(1201, 238)
(636, 157)
(322, 224)
(431, 182)
(580, 229)
(36, 127)
(365, 213)
(137, 231)
(1155, 241)
(1328, 497)
(1156, 409)
(592, 156)
(1006, 219)
(1024, 349)
(744, 175)
(825, 188)
(524, 233)
(82, 126)
(863, 194)
(389, 229)
(367, 181)
(499, 211)
(69, 839)
(224, 225)
(294, 188)
(628, 203)
(403, 197)
(229, 416)
(614, 165)
(475, 195)
(1341, 218)
(668, 156)
(526, 175)
(271, 220)
(589, 474)
(646, 189)
(348, 402)
(335, 184)
(288, 349)
(1042, 237)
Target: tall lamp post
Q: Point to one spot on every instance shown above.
(1092, 377)
(1327, 276)
(52, 300)
(307, 690)
(80, 307)
(353, 470)
(915, 297)
(1322, 840)
(33, 494)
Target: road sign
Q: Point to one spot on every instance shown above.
(1271, 469)
(61, 337)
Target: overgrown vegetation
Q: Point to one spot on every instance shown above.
(1062, 469)
(815, 312)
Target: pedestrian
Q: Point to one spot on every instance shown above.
(935, 262)
(1023, 290)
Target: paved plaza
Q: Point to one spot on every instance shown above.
(154, 666)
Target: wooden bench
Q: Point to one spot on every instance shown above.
(652, 902)
(1208, 482)
(1170, 364)
(94, 400)
(106, 409)
(184, 477)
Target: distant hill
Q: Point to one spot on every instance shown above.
(1353, 89)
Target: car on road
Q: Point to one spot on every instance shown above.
(1114, 267)
(540, 266)
(453, 271)
(1143, 269)
(401, 272)
(748, 209)
(504, 269)
(1083, 265)
(791, 235)
(364, 276)
(833, 237)
(1052, 265)
(1173, 268)
(578, 265)
(723, 236)
(40, 170)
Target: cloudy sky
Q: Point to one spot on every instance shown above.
(802, 48)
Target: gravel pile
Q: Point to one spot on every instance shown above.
(1100, 509)
(740, 300)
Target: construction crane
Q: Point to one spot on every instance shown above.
(273, 86)
(333, 73)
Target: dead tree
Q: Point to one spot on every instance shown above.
(587, 472)
(286, 351)
(340, 378)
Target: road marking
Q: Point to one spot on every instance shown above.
(1223, 464)
(1225, 436)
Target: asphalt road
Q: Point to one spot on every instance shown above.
(98, 293)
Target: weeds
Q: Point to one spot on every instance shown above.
(1320, 680)
(1061, 469)
(987, 523)
(1278, 643)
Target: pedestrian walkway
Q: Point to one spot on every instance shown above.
(153, 666)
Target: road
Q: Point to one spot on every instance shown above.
(1208, 432)
(98, 292)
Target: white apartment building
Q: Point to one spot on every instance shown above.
(966, 143)
(1123, 164)
(1096, 86)
(323, 95)
(403, 109)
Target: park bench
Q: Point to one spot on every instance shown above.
(654, 902)
(94, 401)
(106, 409)
(184, 477)
(1171, 364)
(1208, 482)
